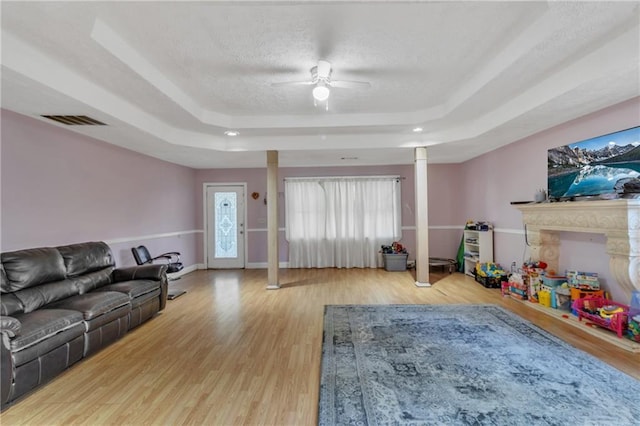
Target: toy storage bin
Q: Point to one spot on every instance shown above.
(395, 262)
(491, 282)
(587, 308)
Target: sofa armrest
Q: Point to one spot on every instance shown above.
(6, 366)
(156, 272)
(142, 272)
(10, 326)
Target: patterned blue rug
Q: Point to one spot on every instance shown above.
(462, 365)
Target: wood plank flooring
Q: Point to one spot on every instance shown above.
(230, 352)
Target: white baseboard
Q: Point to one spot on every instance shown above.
(265, 265)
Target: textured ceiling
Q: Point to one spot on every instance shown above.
(170, 77)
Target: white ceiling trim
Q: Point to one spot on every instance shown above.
(533, 35)
(129, 56)
(24, 59)
(118, 47)
(170, 78)
(29, 61)
(610, 59)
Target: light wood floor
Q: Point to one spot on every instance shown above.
(231, 352)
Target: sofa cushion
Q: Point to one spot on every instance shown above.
(47, 343)
(35, 297)
(27, 268)
(139, 291)
(134, 288)
(83, 258)
(94, 304)
(91, 281)
(42, 324)
(10, 304)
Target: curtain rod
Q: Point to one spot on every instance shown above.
(342, 177)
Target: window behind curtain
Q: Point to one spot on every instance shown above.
(341, 222)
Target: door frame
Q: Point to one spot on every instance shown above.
(205, 213)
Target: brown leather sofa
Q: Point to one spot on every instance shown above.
(61, 304)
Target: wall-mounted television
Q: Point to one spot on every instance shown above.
(606, 166)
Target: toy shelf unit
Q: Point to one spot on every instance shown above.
(478, 247)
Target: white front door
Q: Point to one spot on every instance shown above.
(225, 211)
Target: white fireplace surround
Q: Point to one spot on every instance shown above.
(618, 219)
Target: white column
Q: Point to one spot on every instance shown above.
(422, 219)
(272, 221)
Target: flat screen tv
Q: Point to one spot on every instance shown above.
(606, 166)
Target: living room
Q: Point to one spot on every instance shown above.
(96, 191)
(60, 186)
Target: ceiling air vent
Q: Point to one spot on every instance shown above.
(75, 120)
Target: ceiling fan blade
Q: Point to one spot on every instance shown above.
(344, 84)
(324, 69)
(292, 83)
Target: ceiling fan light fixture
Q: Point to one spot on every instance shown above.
(321, 92)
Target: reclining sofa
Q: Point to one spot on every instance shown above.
(61, 304)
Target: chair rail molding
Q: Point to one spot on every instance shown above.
(618, 219)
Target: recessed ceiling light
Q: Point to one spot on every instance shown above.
(417, 129)
(232, 133)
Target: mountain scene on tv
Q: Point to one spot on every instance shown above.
(608, 164)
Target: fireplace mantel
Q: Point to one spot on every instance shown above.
(618, 219)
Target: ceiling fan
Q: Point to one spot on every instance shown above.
(321, 79)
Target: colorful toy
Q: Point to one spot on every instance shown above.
(489, 269)
(589, 308)
(490, 274)
(394, 248)
(583, 280)
(608, 311)
(517, 286)
(535, 266)
(633, 330)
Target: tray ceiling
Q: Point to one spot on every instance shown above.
(169, 78)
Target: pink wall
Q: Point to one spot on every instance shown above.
(443, 211)
(59, 187)
(487, 190)
(446, 217)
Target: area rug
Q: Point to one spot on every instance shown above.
(462, 365)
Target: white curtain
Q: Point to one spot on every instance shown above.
(341, 222)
